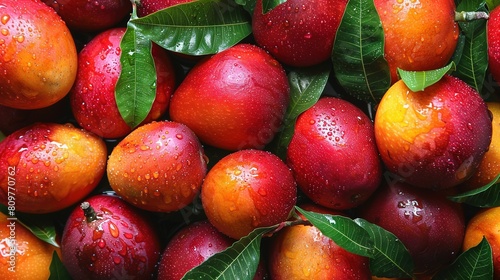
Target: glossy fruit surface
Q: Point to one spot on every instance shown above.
(419, 35)
(248, 189)
(146, 7)
(303, 252)
(91, 16)
(489, 167)
(37, 53)
(493, 38)
(299, 32)
(233, 100)
(159, 166)
(434, 138)
(23, 256)
(485, 224)
(196, 243)
(93, 99)
(114, 242)
(428, 224)
(333, 154)
(50, 166)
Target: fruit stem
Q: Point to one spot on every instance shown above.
(470, 16)
(88, 212)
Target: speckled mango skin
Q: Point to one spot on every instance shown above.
(434, 138)
(248, 189)
(38, 56)
(33, 255)
(50, 166)
(333, 155)
(158, 167)
(419, 35)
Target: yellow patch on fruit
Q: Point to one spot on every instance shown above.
(485, 223)
(22, 254)
(409, 123)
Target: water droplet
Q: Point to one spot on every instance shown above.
(101, 243)
(20, 38)
(128, 235)
(262, 191)
(113, 230)
(4, 31)
(5, 19)
(117, 260)
(179, 136)
(97, 234)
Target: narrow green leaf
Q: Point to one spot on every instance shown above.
(486, 196)
(196, 28)
(343, 231)
(57, 269)
(238, 262)
(391, 258)
(44, 231)
(473, 63)
(41, 226)
(268, 5)
(475, 263)
(358, 52)
(135, 89)
(419, 80)
(306, 87)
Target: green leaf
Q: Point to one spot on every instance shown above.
(135, 89)
(492, 4)
(57, 269)
(358, 52)
(475, 263)
(486, 196)
(306, 87)
(391, 258)
(45, 232)
(343, 231)
(42, 226)
(2, 136)
(239, 261)
(196, 28)
(419, 80)
(473, 63)
(268, 5)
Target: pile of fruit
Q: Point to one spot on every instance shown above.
(239, 139)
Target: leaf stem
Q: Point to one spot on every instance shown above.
(134, 8)
(470, 16)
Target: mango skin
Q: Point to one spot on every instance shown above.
(233, 100)
(248, 189)
(333, 155)
(158, 167)
(38, 56)
(434, 138)
(47, 167)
